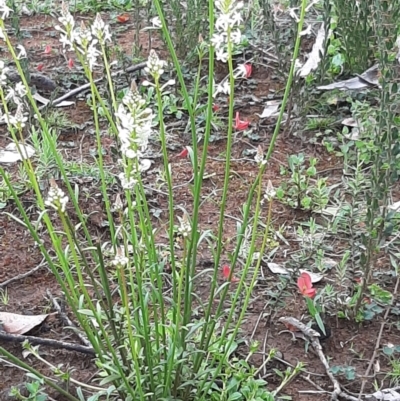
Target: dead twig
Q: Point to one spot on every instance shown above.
(319, 388)
(82, 88)
(313, 336)
(45, 341)
(23, 275)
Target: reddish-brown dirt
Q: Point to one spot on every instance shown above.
(349, 344)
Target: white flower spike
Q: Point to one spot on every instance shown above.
(56, 199)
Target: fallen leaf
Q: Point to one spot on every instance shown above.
(314, 57)
(315, 278)
(328, 263)
(13, 323)
(270, 109)
(367, 79)
(350, 122)
(277, 269)
(10, 153)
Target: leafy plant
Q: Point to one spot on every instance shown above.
(299, 191)
(35, 391)
(348, 372)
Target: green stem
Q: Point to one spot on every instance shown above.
(249, 200)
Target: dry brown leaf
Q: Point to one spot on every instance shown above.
(13, 323)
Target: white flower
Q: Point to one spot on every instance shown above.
(155, 66)
(134, 124)
(259, 157)
(11, 95)
(218, 40)
(56, 199)
(120, 260)
(83, 36)
(227, 32)
(223, 22)
(22, 52)
(185, 227)
(91, 55)
(100, 30)
(156, 22)
(4, 10)
(224, 87)
(66, 18)
(65, 40)
(20, 89)
(270, 192)
(240, 72)
(236, 18)
(19, 120)
(118, 204)
(222, 55)
(236, 37)
(3, 73)
(127, 183)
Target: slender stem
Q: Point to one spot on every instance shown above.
(253, 187)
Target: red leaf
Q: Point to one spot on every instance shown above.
(47, 49)
(226, 271)
(240, 124)
(305, 285)
(40, 67)
(184, 153)
(215, 107)
(70, 63)
(123, 18)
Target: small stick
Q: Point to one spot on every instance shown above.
(66, 320)
(45, 341)
(307, 378)
(264, 349)
(313, 336)
(82, 88)
(23, 275)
